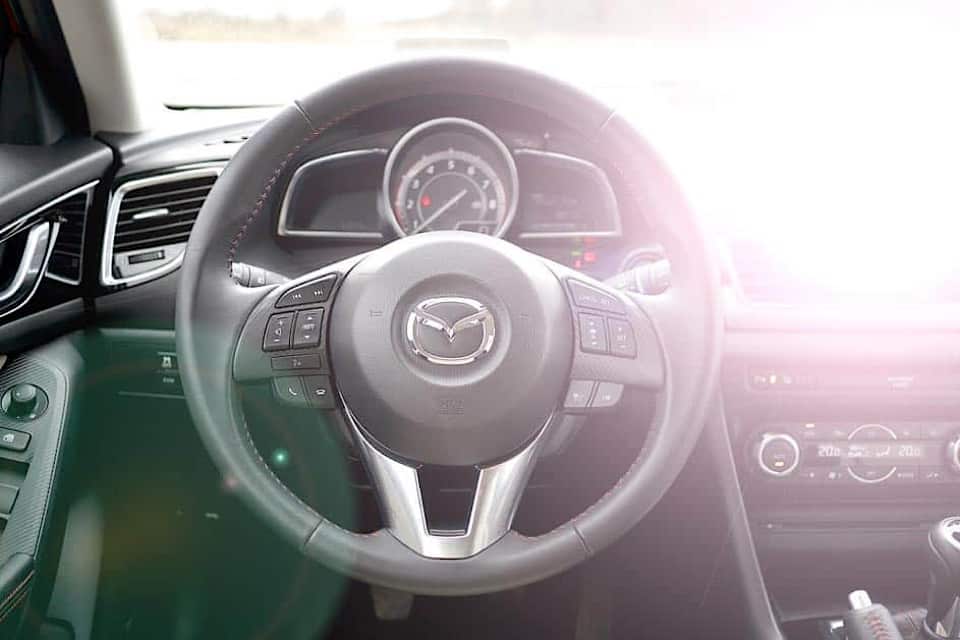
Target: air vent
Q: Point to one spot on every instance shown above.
(66, 261)
(149, 222)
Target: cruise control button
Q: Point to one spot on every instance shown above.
(306, 333)
(319, 391)
(578, 394)
(14, 440)
(590, 298)
(309, 293)
(607, 395)
(289, 363)
(622, 341)
(289, 390)
(593, 333)
(277, 335)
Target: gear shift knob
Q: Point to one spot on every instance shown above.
(943, 553)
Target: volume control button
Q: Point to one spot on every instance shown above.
(778, 454)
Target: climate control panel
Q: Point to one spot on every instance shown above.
(856, 453)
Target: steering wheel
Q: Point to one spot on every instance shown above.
(448, 348)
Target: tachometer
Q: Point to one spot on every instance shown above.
(450, 173)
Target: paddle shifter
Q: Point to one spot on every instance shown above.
(943, 610)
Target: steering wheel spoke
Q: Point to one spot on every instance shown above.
(492, 506)
(285, 336)
(616, 345)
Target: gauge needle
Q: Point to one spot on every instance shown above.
(449, 204)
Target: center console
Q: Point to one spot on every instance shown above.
(839, 453)
(847, 447)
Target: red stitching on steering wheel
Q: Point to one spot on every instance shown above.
(272, 181)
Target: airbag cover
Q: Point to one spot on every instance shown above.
(432, 394)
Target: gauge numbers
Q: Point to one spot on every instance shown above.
(451, 190)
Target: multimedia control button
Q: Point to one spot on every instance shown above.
(623, 343)
(319, 391)
(607, 395)
(306, 333)
(593, 333)
(309, 293)
(578, 394)
(14, 440)
(291, 363)
(590, 298)
(289, 390)
(277, 335)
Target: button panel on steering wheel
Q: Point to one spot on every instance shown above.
(292, 343)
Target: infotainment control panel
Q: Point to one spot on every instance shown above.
(867, 453)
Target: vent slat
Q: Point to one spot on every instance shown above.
(164, 188)
(154, 232)
(200, 191)
(181, 216)
(66, 259)
(159, 203)
(151, 241)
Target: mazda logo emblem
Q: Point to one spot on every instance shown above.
(450, 330)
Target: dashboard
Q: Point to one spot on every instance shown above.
(814, 473)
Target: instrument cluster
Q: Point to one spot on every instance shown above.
(452, 173)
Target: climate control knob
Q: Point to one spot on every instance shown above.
(953, 454)
(778, 454)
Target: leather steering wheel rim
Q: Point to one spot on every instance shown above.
(687, 320)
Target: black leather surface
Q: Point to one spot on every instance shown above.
(211, 309)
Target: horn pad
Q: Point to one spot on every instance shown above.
(451, 348)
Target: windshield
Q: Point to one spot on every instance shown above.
(249, 52)
(819, 128)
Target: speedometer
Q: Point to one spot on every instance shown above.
(450, 174)
(451, 190)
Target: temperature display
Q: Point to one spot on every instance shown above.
(883, 452)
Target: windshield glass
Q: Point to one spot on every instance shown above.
(228, 52)
(250, 52)
(819, 128)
